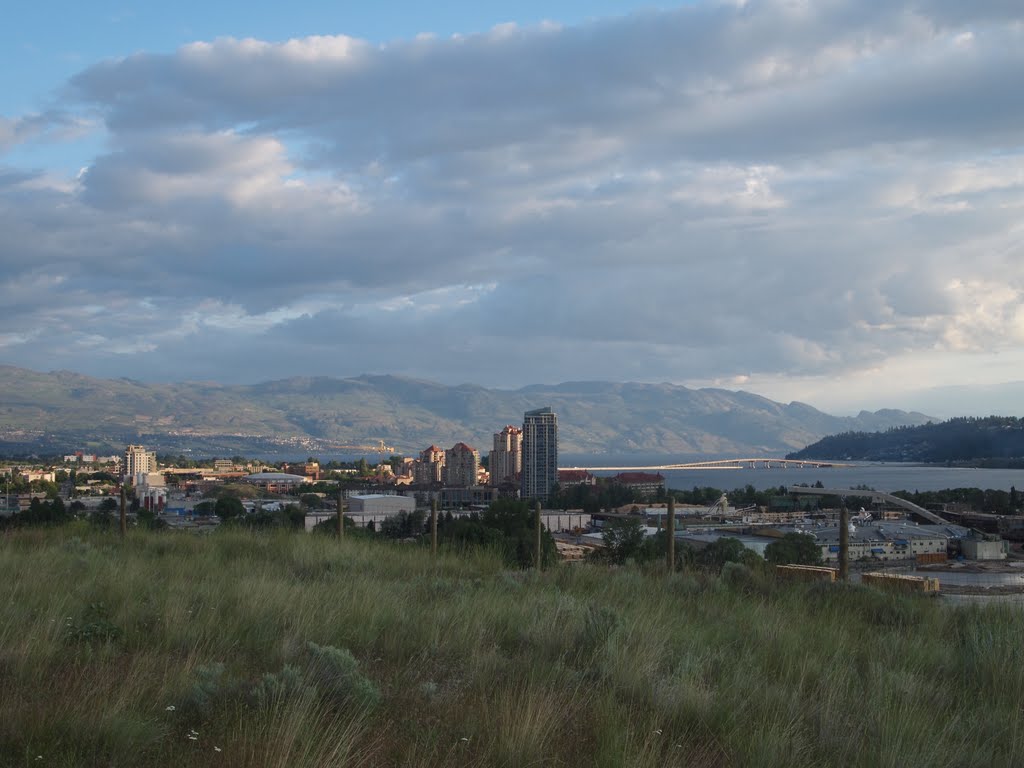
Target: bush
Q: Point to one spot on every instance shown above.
(725, 550)
(94, 627)
(335, 674)
(794, 549)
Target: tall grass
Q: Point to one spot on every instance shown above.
(247, 649)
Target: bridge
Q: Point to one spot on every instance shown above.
(931, 517)
(757, 462)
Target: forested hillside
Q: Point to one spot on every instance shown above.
(989, 441)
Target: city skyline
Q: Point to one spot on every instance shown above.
(811, 202)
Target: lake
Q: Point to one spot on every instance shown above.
(881, 477)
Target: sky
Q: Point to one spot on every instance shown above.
(815, 201)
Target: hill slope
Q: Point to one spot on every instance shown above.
(963, 440)
(38, 409)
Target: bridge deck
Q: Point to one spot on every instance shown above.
(757, 462)
(896, 500)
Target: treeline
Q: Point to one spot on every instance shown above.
(506, 526)
(992, 441)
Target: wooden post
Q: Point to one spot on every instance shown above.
(124, 513)
(670, 531)
(844, 542)
(433, 527)
(341, 517)
(536, 522)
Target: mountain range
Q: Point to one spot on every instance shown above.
(62, 410)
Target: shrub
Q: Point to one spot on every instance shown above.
(335, 673)
(94, 627)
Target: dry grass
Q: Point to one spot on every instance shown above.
(172, 649)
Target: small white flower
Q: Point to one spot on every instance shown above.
(169, 708)
(217, 749)
(658, 731)
(463, 739)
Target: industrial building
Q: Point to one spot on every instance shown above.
(380, 504)
(888, 540)
(877, 541)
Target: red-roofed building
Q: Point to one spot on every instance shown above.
(575, 477)
(429, 467)
(461, 466)
(641, 482)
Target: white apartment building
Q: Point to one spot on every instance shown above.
(137, 460)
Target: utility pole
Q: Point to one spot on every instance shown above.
(670, 531)
(433, 527)
(341, 515)
(844, 541)
(536, 522)
(124, 514)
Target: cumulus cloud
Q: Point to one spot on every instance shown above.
(720, 192)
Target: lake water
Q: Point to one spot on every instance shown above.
(881, 477)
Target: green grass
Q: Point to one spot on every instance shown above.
(243, 649)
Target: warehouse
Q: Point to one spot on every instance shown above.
(380, 504)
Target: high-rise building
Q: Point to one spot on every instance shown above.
(506, 459)
(540, 453)
(429, 467)
(461, 464)
(137, 460)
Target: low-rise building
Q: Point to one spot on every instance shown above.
(984, 548)
(575, 477)
(380, 504)
(275, 482)
(641, 482)
(888, 541)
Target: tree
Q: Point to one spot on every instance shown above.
(623, 539)
(404, 525)
(794, 549)
(228, 507)
(718, 553)
(507, 525)
(207, 507)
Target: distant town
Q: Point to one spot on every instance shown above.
(579, 508)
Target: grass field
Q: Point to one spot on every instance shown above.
(245, 649)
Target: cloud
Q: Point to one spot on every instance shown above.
(720, 192)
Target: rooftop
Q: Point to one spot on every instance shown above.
(276, 477)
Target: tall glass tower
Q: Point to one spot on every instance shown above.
(540, 453)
